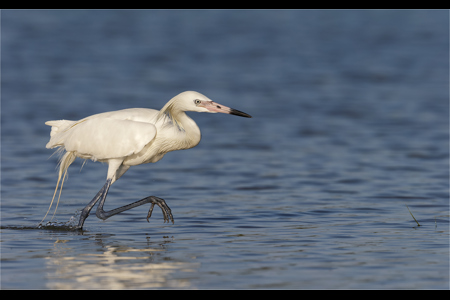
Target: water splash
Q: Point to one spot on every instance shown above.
(70, 225)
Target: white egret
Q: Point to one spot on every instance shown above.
(130, 137)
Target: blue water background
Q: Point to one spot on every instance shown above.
(350, 124)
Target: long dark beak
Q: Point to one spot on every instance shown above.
(238, 113)
(216, 107)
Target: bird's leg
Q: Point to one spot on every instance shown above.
(167, 213)
(101, 194)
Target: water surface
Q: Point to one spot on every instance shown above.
(350, 125)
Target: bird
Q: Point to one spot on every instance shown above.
(126, 138)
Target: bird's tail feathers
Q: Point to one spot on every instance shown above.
(59, 126)
(64, 163)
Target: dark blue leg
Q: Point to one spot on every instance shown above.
(101, 194)
(101, 214)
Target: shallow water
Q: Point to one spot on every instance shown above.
(350, 125)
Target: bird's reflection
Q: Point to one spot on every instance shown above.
(115, 267)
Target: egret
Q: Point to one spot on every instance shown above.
(130, 137)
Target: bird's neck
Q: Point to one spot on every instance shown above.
(184, 130)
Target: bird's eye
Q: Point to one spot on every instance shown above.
(197, 102)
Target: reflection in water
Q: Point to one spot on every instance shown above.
(117, 267)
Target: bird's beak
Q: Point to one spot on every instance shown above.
(219, 108)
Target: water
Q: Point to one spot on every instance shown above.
(350, 124)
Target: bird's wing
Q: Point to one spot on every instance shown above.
(105, 138)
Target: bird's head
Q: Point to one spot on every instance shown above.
(194, 101)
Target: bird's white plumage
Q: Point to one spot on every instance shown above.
(103, 136)
(133, 136)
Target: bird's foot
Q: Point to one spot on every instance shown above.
(167, 213)
(77, 228)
